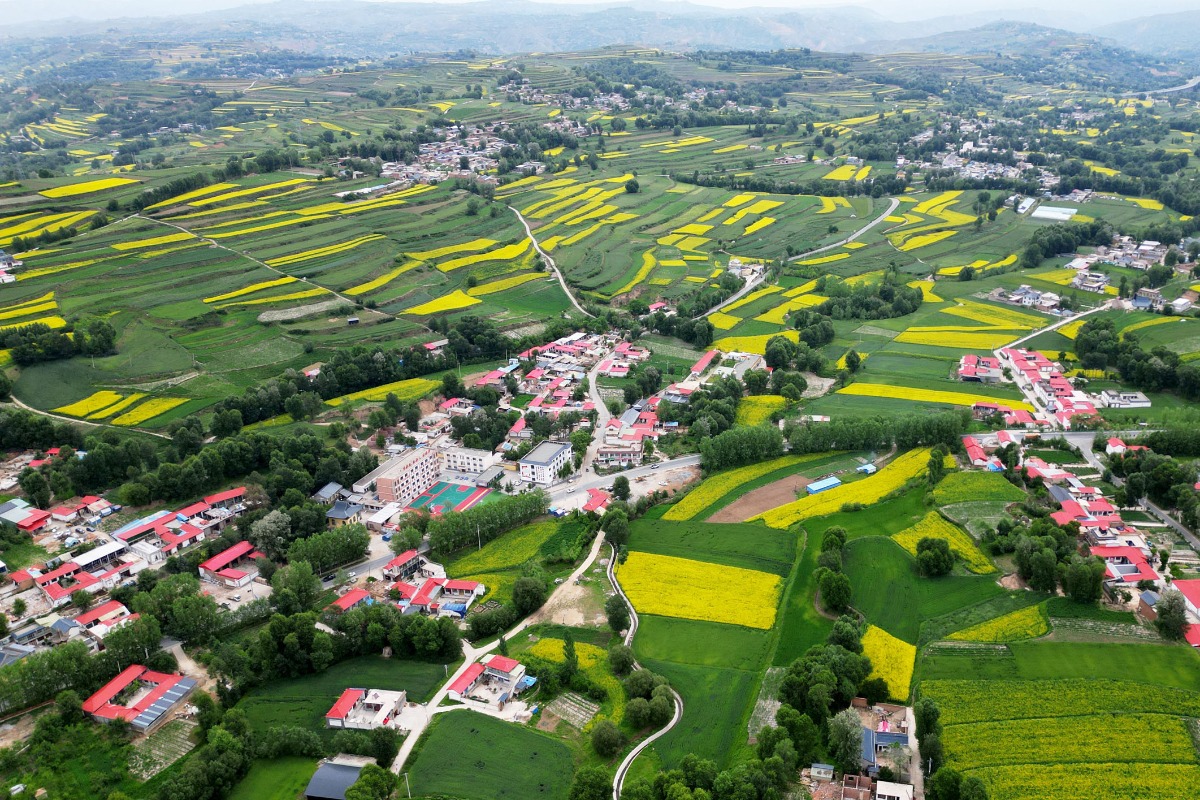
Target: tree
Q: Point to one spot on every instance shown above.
(972, 788)
(81, 599)
(18, 608)
(632, 186)
(1172, 615)
(591, 783)
(1083, 579)
(618, 613)
(615, 525)
(528, 594)
(853, 361)
(272, 534)
(70, 706)
(620, 488)
(836, 591)
(934, 557)
(607, 739)
(637, 713)
(194, 619)
(945, 784)
(845, 633)
(374, 783)
(36, 487)
(295, 588)
(620, 659)
(845, 740)
(804, 733)
(570, 662)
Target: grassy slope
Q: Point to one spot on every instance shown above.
(747, 546)
(470, 755)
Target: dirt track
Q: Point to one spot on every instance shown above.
(763, 499)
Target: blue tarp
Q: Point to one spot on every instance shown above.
(456, 608)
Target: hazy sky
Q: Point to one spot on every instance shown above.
(1076, 14)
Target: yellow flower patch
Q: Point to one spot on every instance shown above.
(679, 587)
(405, 390)
(926, 288)
(713, 488)
(305, 295)
(169, 238)
(831, 204)
(758, 225)
(957, 341)
(87, 187)
(256, 287)
(694, 229)
(117, 408)
(451, 302)
(648, 264)
(320, 252)
(994, 315)
(924, 240)
(504, 283)
(926, 395)
(869, 490)
(750, 298)
(757, 409)
(753, 344)
(1028, 623)
(89, 405)
(843, 173)
(54, 323)
(505, 253)
(934, 526)
(722, 321)
(809, 262)
(891, 659)
(148, 410)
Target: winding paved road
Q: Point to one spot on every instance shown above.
(553, 266)
(627, 762)
(893, 204)
(473, 654)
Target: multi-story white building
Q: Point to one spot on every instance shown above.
(544, 462)
(468, 459)
(407, 476)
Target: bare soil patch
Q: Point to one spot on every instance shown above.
(765, 498)
(1013, 581)
(547, 721)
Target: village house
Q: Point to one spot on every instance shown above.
(225, 568)
(365, 709)
(495, 678)
(155, 697)
(982, 369)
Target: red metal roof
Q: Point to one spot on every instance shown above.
(100, 612)
(350, 599)
(227, 557)
(464, 682)
(503, 663)
(1189, 589)
(229, 494)
(705, 361)
(113, 688)
(402, 559)
(344, 703)
(193, 509)
(461, 586)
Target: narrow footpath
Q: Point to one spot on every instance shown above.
(550, 261)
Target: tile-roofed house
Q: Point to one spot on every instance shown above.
(160, 694)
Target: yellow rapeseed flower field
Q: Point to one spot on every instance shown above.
(319, 252)
(872, 489)
(117, 408)
(405, 390)
(843, 173)
(505, 253)
(154, 242)
(679, 587)
(148, 410)
(752, 344)
(926, 395)
(758, 225)
(958, 341)
(451, 302)
(891, 659)
(722, 321)
(926, 287)
(504, 283)
(88, 187)
(648, 264)
(89, 405)
(713, 488)
(27, 309)
(757, 409)
(279, 298)
(924, 240)
(994, 315)
(1027, 623)
(934, 526)
(254, 287)
(53, 322)
(810, 262)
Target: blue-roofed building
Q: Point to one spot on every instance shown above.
(867, 469)
(823, 484)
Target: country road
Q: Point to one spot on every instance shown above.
(893, 204)
(553, 266)
(19, 404)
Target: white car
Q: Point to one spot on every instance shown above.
(570, 490)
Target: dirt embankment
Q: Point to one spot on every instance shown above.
(772, 495)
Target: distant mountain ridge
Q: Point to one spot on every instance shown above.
(373, 29)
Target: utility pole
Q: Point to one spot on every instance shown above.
(407, 785)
